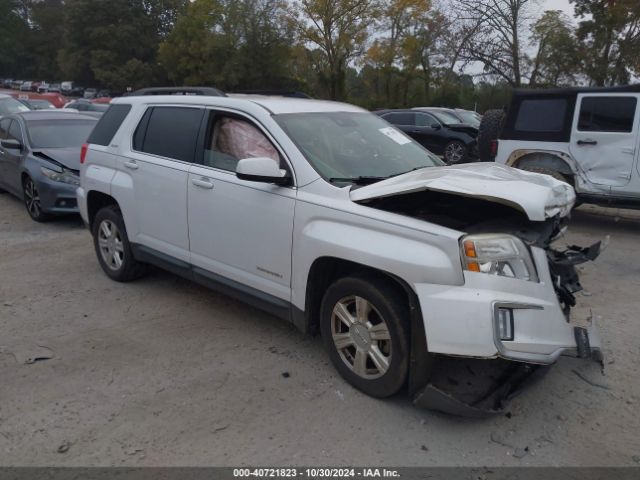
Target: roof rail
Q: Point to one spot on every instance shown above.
(280, 93)
(206, 91)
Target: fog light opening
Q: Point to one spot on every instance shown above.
(505, 323)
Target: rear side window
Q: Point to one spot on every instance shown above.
(400, 118)
(4, 128)
(607, 114)
(109, 124)
(15, 132)
(170, 132)
(545, 115)
(425, 120)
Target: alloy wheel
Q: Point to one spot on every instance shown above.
(361, 337)
(110, 244)
(454, 152)
(32, 198)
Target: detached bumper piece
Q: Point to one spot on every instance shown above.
(562, 268)
(475, 388)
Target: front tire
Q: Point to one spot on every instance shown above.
(112, 246)
(365, 330)
(32, 200)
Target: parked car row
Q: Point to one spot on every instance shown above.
(70, 89)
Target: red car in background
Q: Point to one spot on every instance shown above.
(56, 99)
(102, 100)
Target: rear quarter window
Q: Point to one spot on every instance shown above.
(400, 118)
(170, 132)
(109, 124)
(545, 115)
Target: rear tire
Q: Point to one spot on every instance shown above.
(112, 246)
(365, 331)
(489, 130)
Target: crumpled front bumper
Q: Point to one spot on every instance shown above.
(462, 321)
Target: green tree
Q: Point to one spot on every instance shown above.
(339, 29)
(397, 18)
(556, 61)
(14, 31)
(111, 43)
(609, 35)
(245, 44)
(47, 28)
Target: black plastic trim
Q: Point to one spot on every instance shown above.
(256, 298)
(204, 91)
(166, 262)
(263, 301)
(610, 201)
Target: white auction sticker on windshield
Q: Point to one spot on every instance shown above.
(394, 135)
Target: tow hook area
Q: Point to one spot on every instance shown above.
(473, 387)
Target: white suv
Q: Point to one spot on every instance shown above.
(587, 137)
(326, 215)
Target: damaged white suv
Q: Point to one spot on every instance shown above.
(324, 214)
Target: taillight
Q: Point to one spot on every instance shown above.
(494, 148)
(83, 152)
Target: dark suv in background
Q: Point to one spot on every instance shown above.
(456, 142)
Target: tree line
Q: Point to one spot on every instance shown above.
(376, 53)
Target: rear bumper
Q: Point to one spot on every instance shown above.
(463, 321)
(81, 198)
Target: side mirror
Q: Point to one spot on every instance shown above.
(435, 126)
(262, 169)
(11, 144)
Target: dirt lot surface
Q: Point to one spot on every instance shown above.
(164, 372)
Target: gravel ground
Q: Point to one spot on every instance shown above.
(164, 372)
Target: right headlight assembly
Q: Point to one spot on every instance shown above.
(498, 254)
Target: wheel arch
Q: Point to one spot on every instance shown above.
(555, 160)
(326, 270)
(97, 200)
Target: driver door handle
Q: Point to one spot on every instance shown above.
(131, 165)
(587, 142)
(202, 183)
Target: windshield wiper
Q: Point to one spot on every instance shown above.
(368, 180)
(412, 170)
(362, 180)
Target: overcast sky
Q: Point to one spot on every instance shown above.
(563, 5)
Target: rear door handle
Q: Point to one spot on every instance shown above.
(587, 142)
(202, 183)
(131, 165)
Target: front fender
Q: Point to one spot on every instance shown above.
(413, 256)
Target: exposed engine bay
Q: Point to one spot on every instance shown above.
(474, 215)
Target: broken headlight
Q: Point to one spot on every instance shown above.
(498, 254)
(64, 176)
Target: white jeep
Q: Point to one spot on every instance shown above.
(587, 137)
(326, 215)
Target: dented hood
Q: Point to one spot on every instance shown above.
(538, 196)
